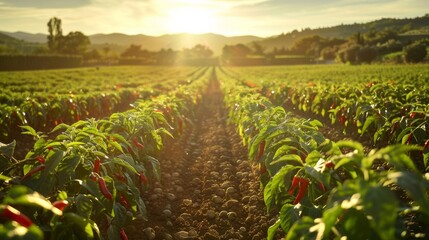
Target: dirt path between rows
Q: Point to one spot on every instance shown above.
(208, 188)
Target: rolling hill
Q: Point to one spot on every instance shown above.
(404, 26)
(118, 42)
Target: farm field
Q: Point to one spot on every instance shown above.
(44, 99)
(218, 153)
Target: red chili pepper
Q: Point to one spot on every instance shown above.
(143, 178)
(410, 138)
(50, 148)
(322, 187)
(262, 169)
(260, 150)
(123, 234)
(180, 123)
(40, 159)
(136, 143)
(303, 157)
(303, 185)
(32, 172)
(120, 177)
(412, 115)
(104, 190)
(93, 176)
(329, 164)
(124, 202)
(130, 150)
(294, 185)
(60, 204)
(97, 165)
(15, 215)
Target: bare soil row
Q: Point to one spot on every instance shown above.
(208, 190)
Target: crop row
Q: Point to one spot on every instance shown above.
(29, 105)
(323, 189)
(387, 105)
(88, 182)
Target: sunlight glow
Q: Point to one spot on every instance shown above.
(191, 20)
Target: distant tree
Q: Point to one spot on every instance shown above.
(380, 37)
(74, 43)
(366, 54)
(201, 51)
(258, 49)
(328, 53)
(166, 57)
(348, 54)
(390, 46)
(92, 55)
(415, 52)
(133, 51)
(235, 51)
(4, 49)
(55, 34)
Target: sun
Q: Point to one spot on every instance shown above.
(191, 20)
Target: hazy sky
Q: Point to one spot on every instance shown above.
(228, 17)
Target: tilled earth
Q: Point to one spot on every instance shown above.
(208, 190)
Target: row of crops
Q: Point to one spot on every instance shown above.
(88, 181)
(321, 189)
(387, 104)
(44, 99)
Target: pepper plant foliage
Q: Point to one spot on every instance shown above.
(323, 189)
(100, 167)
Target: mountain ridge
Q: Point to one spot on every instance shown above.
(216, 42)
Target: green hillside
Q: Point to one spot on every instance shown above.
(11, 45)
(407, 26)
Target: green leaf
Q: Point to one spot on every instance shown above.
(350, 144)
(156, 167)
(300, 229)
(313, 157)
(351, 222)
(277, 184)
(53, 160)
(21, 195)
(67, 170)
(311, 171)
(121, 162)
(368, 122)
(29, 131)
(288, 216)
(415, 186)
(272, 230)
(120, 214)
(380, 205)
(330, 218)
(5, 178)
(84, 205)
(82, 226)
(8, 149)
(117, 146)
(291, 158)
(61, 127)
(397, 155)
(316, 123)
(12, 231)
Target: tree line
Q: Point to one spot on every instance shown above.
(373, 46)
